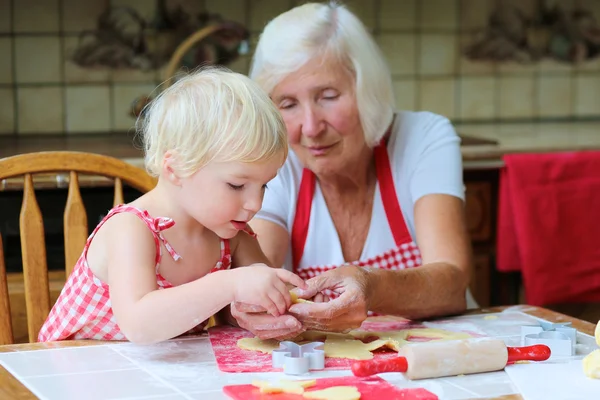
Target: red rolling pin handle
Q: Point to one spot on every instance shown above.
(538, 352)
(372, 367)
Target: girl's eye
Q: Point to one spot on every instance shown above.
(236, 187)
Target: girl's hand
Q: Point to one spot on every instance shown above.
(263, 286)
(263, 325)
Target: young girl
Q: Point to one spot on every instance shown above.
(214, 139)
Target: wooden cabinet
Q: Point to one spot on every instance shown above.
(481, 191)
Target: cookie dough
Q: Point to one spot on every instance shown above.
(284, 386)
(591, 362)
(296, 299)
(352, 345)
(334, 393)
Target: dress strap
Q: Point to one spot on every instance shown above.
(156, 226)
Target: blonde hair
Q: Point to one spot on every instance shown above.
(315, 30)
(211, 114)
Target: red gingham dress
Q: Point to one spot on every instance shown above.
(83, 309)
(406, 254)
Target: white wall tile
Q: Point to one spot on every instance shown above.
(233, 10)
(405, 93)
(40, 109)
(438, 14)
(587, 95)
(474, 14)
(81, 15)
(397, 15)
(555, 96)
(262, 11)
(364, 10)
(76, 74)
(478, 98)
(437, 54)
(144, 8)
(6, 60)
(36, 16)
(517, 96)
(438, 95)
(400, 52)
(472, 67)
(88, 109)
(38, 59)
(123, 97)
(7, 111)
(5, 13)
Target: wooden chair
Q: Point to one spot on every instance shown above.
(35, 269)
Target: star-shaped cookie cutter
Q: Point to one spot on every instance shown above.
(560, 337)
(298, 359)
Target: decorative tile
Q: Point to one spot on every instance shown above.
(7, 111)
(123, 97)
(192, 7)
(555, 96)
(40, 109)
(475, 14)
(517, 96)
(587, 95)
(135, 75)
(437, 54)
(81, 15)
(76, 74)
(477, 98)
(38, 59)
(405, 93)
(438, 14)
(6, 67)
(438, 95)
(364, 10)
(400, 52)
(472, 67)
(88, 109)
(36, 16)
(5, 13)
(263, 11)
(551, 65)
(513, 67)
(233, 10)
(146, 9)
(397, 15)
(241, 65)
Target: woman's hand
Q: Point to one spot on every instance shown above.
(345, 313)
(263, 325)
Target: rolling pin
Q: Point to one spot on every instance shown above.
(454, 357)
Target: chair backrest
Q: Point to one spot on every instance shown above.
(33, 248)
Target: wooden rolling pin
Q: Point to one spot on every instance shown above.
(454, 357)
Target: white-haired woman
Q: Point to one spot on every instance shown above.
(367, 194)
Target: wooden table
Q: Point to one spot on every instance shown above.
(11, 388)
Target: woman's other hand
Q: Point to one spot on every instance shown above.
(263, 325)
(342, 314)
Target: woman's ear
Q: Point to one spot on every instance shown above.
(169, 168)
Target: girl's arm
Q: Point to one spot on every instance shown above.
(144, 313)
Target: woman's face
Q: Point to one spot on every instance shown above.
(318, 105)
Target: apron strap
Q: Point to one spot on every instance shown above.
(388, 197)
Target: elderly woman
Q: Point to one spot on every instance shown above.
(369, 207)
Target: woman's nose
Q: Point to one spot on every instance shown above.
(311, 123)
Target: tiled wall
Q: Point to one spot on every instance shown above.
(42, 92)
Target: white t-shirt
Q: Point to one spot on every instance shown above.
(425, 158)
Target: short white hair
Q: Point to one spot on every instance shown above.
(315, 30)
(211, 114)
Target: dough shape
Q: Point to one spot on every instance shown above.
(296, 299)
(591, 365)
(284, 386)
(597, 333)
(256, 344)
(334, 393)
(341, 345)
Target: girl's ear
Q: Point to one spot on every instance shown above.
(168, 168)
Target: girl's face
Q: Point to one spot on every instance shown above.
(318, 105)
(224, 196)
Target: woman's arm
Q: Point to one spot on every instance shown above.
(273, 239)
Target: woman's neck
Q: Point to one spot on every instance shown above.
(357, 177)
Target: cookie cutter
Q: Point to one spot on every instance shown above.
(561, 338)
(296, 359)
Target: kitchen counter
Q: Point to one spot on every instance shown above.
(483, 145)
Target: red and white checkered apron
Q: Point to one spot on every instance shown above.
(406, 253)
(83, 309)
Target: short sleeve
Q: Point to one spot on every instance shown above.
(437, 164)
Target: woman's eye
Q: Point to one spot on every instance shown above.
(236, 187)
(286, 106)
